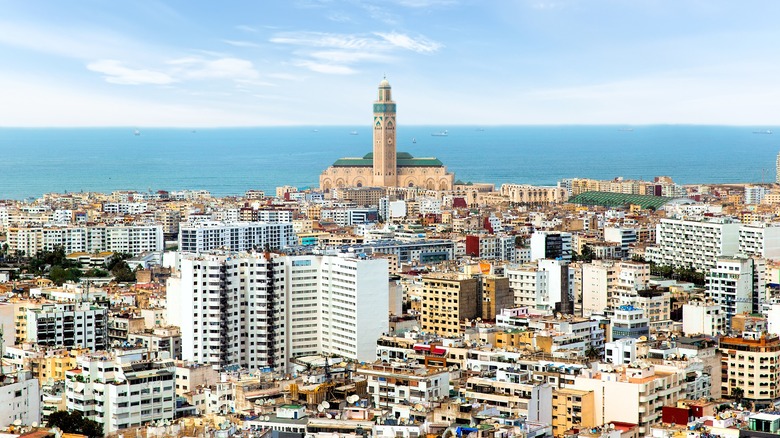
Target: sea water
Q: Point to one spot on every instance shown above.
(229, 161)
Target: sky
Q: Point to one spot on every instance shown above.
(197, 63)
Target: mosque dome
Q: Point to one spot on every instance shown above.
(384, 83)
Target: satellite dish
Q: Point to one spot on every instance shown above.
(611, 426)
(17, 422)
(320, 408)
(325, 404)
(34, 424)
(266, 418)
(329, 416)
(415, 329)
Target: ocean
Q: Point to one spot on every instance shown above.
(229, 161)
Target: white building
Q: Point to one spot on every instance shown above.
(282, 307)
(528, 283)
(620, 352)
(131, 239)
(754, 194)
(129, 389)
(703, 318)
(760, 240)
(737, 285)
(560, 282)
(390, 385)
(235, 236)
(19, 399)
(694, 244)
(80, 325)
(624, 236)
(551, 245)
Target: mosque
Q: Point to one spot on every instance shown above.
(384, 167)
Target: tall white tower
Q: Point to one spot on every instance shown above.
(384, 138)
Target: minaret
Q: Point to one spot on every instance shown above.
(384, 138)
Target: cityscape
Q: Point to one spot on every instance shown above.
(371, 290)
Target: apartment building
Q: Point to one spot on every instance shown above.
(632, 394)
(760, 239)
(448, 299)
(235, 236)
(528, 284)
(19, 399)
(572, 408)
(389, 385)
(694, 244)
(703, 317)
(737, 285)
(130, 239)
(280, 307)
(551, 245)
(123, 390)
(751, 363)
(69, 325)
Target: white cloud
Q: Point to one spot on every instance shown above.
(237, 43)
(246, 28)
(223, 68)
(419, 45)
(116, 73)
(348, 57)
(321, 67)
(337, 53)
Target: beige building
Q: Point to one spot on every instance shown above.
(384, 167)
(448, 299)
(572, 408)
(527, 194)
(750, 363)
(496, 296)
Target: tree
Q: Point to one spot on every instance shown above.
(74, 422)
(592, 353)
(122, 272)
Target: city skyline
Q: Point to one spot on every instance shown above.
(453, 62)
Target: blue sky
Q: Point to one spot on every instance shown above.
(318, 62)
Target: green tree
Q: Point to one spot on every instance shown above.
(74, 422)
(122, 272)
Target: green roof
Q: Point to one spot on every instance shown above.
(609, 199)
(403, 159)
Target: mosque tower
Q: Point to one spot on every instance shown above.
(384, 138)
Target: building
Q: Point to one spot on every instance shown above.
(551, 245)
(19, 399)
(760, 240)
(129, 239)
(703, 317)
(282, 307)
(572, 408)
(750, 363)
(737, 285)
(391, 385)
(620, 352)
(235, 236)
(413, 251)
(524, 194)
(384, 167)
(528, 284)
(128, 389)
(629, 322)
(495, 296)
(69, 325)
(633, 394)
(448, 299)
(694, 244)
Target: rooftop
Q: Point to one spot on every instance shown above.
(403, 159)
(608, 199)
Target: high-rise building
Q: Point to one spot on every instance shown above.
(384, 166)
(257, 310)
